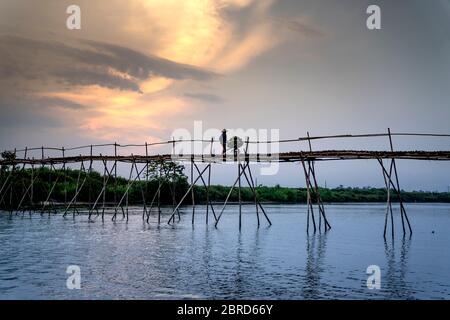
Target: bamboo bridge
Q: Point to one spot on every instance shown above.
(20, 199)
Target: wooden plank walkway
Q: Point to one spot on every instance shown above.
(322, 155)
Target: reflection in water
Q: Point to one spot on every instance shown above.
(315, 252)
(394, 282)
(248, 269)
(239, 277)
(207, 257)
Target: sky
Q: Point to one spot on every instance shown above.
(138, 70)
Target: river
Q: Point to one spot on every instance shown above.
(133, 260)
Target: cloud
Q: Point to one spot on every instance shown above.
(206, 97)
(143, 66)
(58, 102)
(91, 63)
(125, 71)
(86, 77)
(304, 28)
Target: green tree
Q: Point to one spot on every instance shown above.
(166, 171)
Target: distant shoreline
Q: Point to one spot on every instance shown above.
(64, 186)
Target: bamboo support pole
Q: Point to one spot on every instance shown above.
(130, 183)
(228, 196)
(47, 200)
(209, 184)
(65, 176)
(106, 176)
(239, 195)
(77, 190)
(144, 204)
(174, 182)
(387, 178)
(394, 188)
(170, 185)
(185, 195)
(144, 212)
(252, 188)
(151, 205)
(206, 186)
(395, 172)
(319, 201)
(12, 186)
(159, 194)
(22, 171)
(310, 209)
(312, 171)
(403, 214)
(30, 188)
(192, 189)
(115, 179)
(251, 179)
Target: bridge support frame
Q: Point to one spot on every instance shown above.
(393, 184)
(249, 178)
(189, 190)
(313, 193)
(107, 174)
(78, 188)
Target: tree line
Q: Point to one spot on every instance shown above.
(172, 183)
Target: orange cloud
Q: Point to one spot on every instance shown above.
(130, 116)
(242, 51)
(198, 33)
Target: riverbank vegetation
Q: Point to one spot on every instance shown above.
(62, 186)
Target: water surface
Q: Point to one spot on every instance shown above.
(133, 260)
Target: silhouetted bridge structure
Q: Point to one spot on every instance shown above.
(16, 200)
